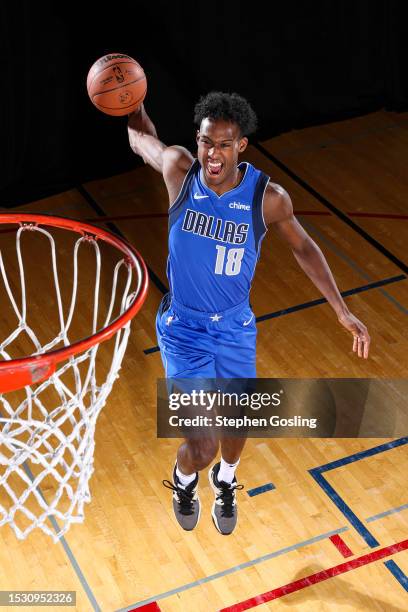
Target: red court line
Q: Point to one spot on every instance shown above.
(377, 215)
(297, 585)
(151, 607)
(319, 213)
(316, 213)
(341, 545)
(126, 217)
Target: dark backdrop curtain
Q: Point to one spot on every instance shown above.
(299, 64)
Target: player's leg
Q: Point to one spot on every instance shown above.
(185, 360)
(236, 359)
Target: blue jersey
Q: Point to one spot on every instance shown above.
(214, 241)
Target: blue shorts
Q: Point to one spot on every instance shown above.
(197, 344)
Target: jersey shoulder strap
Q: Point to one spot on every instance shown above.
(258, 222)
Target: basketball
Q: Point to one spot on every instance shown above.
(116, 84)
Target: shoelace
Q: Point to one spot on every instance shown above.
(185, 497)
(227, 497)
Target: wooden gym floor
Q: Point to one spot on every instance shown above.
(333, 521)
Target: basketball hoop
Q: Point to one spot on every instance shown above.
(50, 399)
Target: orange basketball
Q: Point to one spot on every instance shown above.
(116, 84)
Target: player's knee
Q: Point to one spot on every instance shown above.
(203, 452)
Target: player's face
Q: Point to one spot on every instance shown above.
(219, 144)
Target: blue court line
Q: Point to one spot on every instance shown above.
(316, 473)
(348, 292)
(397, 573)
(345, 509)
(235, 568)
(310, 304)
(154, 349)
(386, 513)
(361, 455)
(257, 490)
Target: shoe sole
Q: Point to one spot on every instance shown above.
(214, 519)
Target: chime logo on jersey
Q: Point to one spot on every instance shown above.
(218, 229)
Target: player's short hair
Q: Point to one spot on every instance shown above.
(228, 107)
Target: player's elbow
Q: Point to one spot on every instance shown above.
(176, 157)
(173, 155)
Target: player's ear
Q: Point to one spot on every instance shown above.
(197, 136)
(243, 143)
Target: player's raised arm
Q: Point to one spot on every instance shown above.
(278, 211)
(143, 141)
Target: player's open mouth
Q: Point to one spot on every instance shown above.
(214, 168)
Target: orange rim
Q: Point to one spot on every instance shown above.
(17, 373)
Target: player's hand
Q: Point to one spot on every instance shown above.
(361, 337)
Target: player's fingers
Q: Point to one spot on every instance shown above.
(363, 345)
(355, 343)
(360, 344)
(367, 341)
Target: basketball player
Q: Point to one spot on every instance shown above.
(219, 213)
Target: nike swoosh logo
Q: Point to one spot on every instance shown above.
(245, 323)
(196, 196)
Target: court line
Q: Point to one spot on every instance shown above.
(262, 489)
(127, 217)
(397, 573)
(312, 303)
(235, 568)
(307, 581)
(341, 546)
(386, 513)
(151, 607)
(358, 525)
(336, 211)
(322, 237)
(66, 547)
(99, 210)
(377, 215)
(347, 293)
(238, 567)
(313, 213)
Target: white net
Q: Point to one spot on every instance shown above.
(47, 430)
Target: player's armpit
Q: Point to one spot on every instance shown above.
(176, 163)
